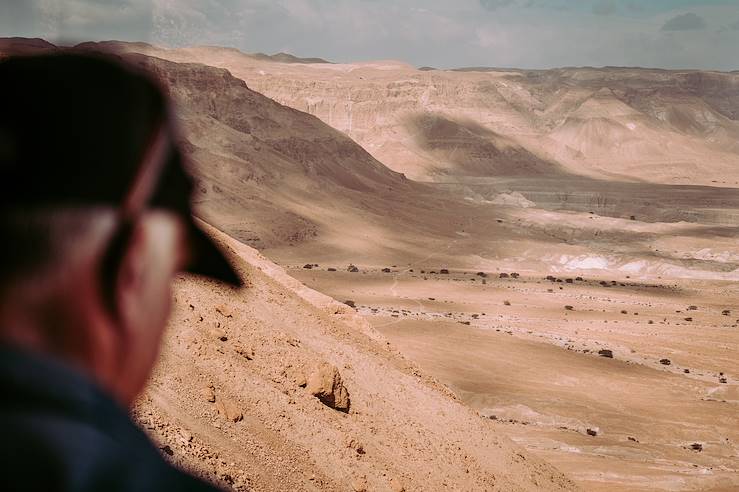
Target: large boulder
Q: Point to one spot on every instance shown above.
(325, 384)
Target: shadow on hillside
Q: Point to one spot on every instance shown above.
(464, 147)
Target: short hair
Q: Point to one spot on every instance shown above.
(39, 243)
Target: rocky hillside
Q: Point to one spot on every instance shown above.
(267, 174)
(282, 166)
(676, 127)
(278, 387)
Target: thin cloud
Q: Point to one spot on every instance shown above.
(440, 33)
(495, 4)
(685, 22)
(605, 7)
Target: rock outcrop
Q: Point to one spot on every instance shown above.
(325, 384)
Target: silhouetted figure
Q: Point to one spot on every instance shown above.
(96, 221)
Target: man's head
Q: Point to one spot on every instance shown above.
(95, 216)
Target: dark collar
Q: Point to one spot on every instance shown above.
(33, 382)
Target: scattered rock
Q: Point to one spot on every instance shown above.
(218, 334)
(481, 274)
(356, 446)
(167, 450)
(726, 312)
(633, 439)
(506, 303)
(569, 308)
(696, 446)
(331, 269)
(692, 308)
(229, 410)
(359, 484)
(606, 353)
(352, 269)
(665, 362)
(591, 432)
(325, 384)
(503, 275)
(225, 311)
(308, 267)
(444, 271)
(245, 351)
(351, 304)
(723, 380)
(209, 393)
(688, 319)
(386, 270)
(569, 280)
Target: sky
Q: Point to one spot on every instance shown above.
(701, 34)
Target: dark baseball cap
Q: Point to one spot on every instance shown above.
(88, 129)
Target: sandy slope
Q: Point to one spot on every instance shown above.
(403, 430)
(512, 350)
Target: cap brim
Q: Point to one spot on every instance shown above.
(209, 260)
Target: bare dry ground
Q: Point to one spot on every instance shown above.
(625, 178)
(514, 351)
(231, 399)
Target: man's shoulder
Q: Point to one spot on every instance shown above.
(52, 451)
(60, 431)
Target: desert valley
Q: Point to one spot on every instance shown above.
(514, 279)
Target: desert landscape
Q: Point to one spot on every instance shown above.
(469, 279)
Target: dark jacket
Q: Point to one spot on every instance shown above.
(60, 432)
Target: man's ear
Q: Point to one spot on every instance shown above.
(130, 276)
(121, 270)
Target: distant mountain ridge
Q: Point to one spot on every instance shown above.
(288, 58)
(632, 124)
